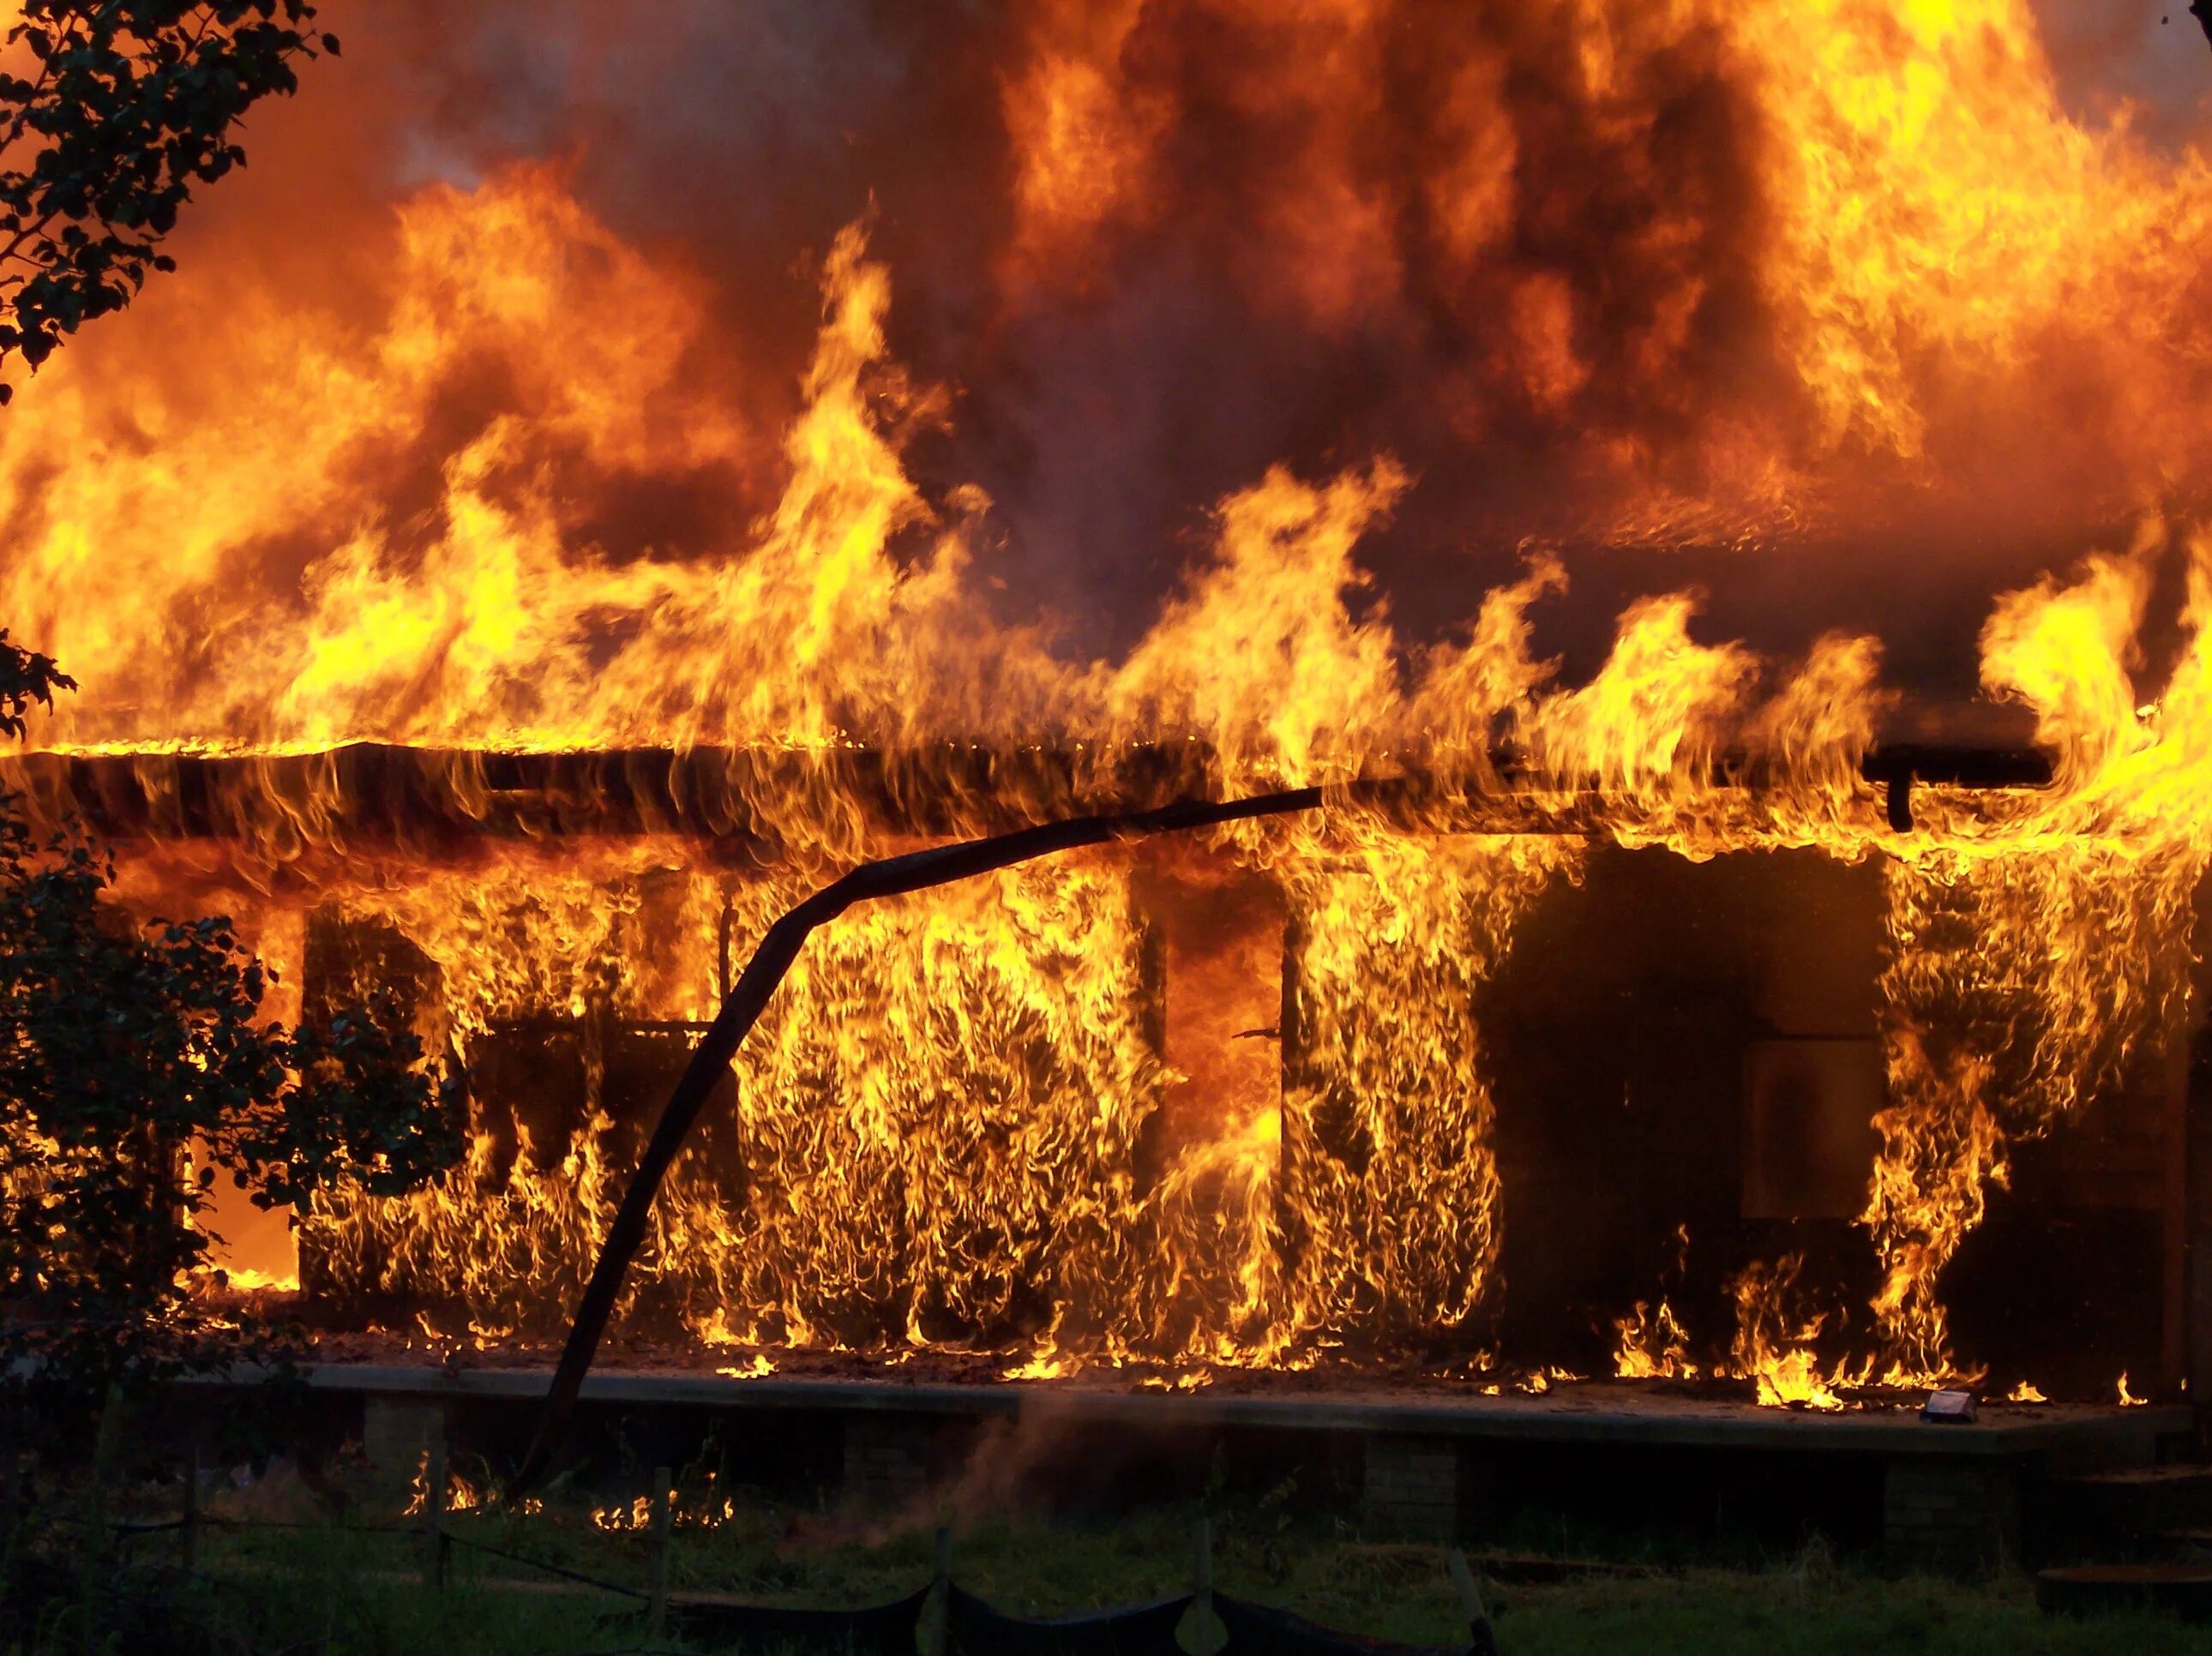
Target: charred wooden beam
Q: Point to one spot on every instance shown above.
(748, 802)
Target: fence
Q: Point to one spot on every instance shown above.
(938, 1620)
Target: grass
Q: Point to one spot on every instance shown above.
(336, 1591)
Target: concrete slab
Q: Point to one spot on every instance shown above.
(1592, 1412)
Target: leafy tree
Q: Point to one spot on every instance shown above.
(125, 106)
(125, 1050)
(134, 1072)
(26, 678)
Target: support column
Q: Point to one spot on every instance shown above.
(397, 1432)
(887, 1459)
(1410, 1488)
(1949, 1514)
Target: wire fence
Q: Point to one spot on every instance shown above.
(941, 1618)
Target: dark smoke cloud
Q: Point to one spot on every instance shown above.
(1106, 415)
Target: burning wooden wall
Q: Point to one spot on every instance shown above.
(520, 588)
(1511, 1103)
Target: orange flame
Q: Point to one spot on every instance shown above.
(405, 526)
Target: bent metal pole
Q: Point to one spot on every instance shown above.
(892, 876)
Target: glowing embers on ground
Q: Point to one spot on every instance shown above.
(703, 1508)
(697, 1502)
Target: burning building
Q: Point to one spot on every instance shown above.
(1730, 470)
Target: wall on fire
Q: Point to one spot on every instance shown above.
(1682, 1057)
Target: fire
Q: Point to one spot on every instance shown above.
(462, 1495)
(1538, 1382)
(1042, 1364)
(1084, 141)
(245, 1279)
(969, 1122)
(1927, 220)
(2030, 960)
(707, 1512)
(1388, 1123)
(1774, 1342)
(1938, 197)
(1653, 1345)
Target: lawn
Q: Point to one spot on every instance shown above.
(347, 1590)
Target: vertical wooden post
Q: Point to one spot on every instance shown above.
(1203, 1634)
(107, 1452)
(1481, 1640)
(188, 1528)
(656, 1619)
(937, 1614)
(11, 1491)
(433, 1515)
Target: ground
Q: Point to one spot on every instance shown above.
(348, 1591)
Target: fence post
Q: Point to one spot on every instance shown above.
(11, 1493)
(936, 1612)
(433, 1516)
(1482, 1641)
(1203, 1634)
(188, 1522)
(656, 1618)
(106, 1451)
